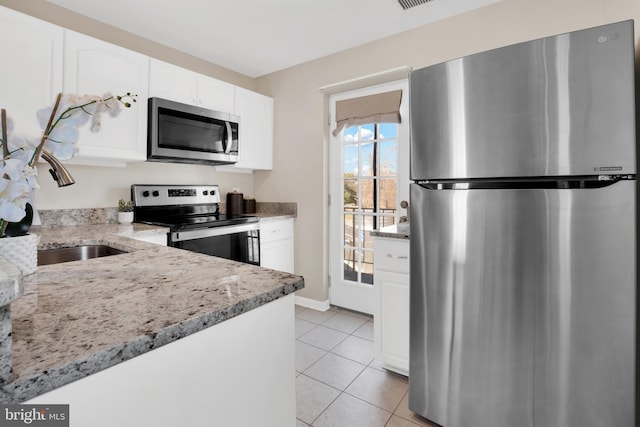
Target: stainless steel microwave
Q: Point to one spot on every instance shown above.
(184, 133)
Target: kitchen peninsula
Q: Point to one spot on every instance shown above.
(155, 336)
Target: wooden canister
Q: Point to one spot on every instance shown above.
(249, 205)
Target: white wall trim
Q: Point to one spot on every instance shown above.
(368, 80)
(313, 304)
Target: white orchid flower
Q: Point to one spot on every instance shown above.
(11, 212)
(17, 170)
(13, 168)
(29, 175)
(12, 200)
(112, 104)
(64, 132)
(62, 150)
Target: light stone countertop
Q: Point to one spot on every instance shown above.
(80, 317)
(272, 217)
(395, 231)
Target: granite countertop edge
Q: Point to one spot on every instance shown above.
(33, 384)
(273, 217)
(392, 232)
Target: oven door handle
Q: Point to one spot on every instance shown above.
(180, 236)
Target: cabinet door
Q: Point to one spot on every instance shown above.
(179, 84)
(92, 66)
(33, 80)
(215, 94)
(276, 245)
(391, 322)
(278, 255)
(256, 131)
(171, 82)
(394, 320)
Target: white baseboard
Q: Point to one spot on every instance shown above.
(312, 303)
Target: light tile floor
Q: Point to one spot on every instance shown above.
(339, 382)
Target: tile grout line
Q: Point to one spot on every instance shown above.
(365, 366)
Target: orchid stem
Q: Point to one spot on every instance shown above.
(5, 139)
(45, 134)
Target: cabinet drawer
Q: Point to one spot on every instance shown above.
(391, 255)
(271, 231)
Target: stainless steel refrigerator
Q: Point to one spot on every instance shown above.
(523, 234)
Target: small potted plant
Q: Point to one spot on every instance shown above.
(125, 211)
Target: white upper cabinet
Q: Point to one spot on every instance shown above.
(215, 94)
(255, 110)
(44, 59)
(179, 84)
(31, 73)
(92, 66)
(256, 130)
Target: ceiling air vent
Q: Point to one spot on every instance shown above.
(406, 4)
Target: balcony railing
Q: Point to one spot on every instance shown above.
(373, 220)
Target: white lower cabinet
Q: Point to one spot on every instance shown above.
(391, 321)
(276, 244)
(236, 373)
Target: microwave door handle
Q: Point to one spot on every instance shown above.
(229, 138)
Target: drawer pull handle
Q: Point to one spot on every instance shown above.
(397, 257)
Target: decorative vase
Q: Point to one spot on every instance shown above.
(125, 217)
(21, 251)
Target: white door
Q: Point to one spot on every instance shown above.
(369, 177)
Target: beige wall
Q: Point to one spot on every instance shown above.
(301, 135)
(300, 119)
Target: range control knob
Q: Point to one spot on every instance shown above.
(205, 193)
(145, 193)
(156, 193)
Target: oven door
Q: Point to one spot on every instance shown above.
(235, 242)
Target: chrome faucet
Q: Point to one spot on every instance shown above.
(59, 173)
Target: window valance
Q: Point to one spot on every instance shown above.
(378, 108)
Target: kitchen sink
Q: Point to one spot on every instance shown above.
(75, 253)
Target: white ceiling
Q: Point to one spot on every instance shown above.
(257, 37)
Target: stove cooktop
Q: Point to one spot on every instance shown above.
(182, 207)
(195, 222)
